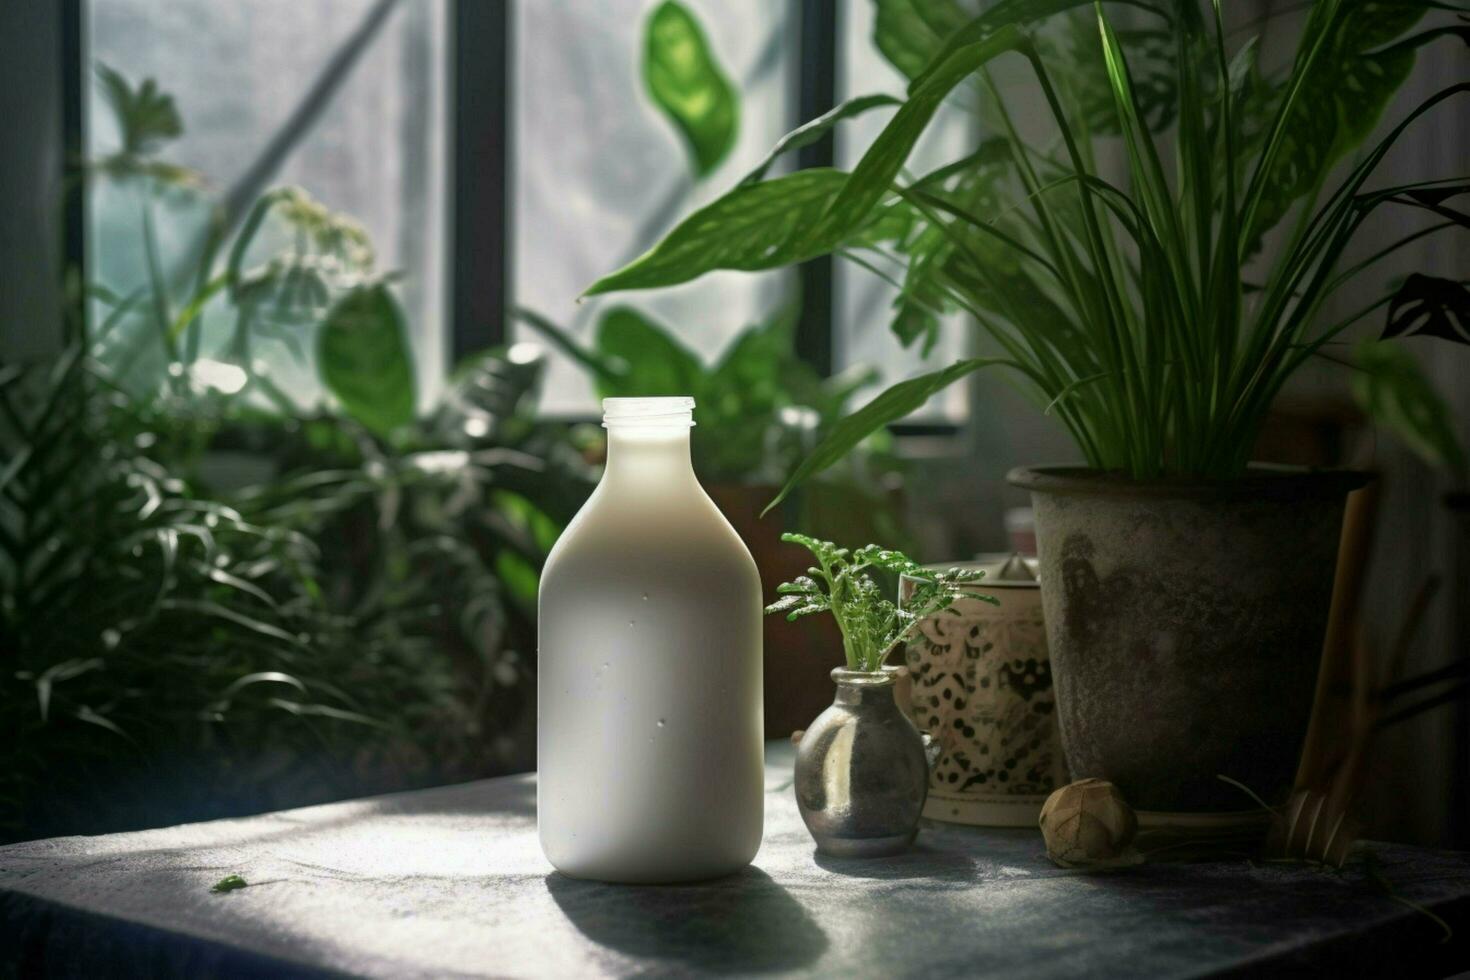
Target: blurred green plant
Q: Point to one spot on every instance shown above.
(1130, 309)
(686, 82)
(760, 407)
(1392, 390)
(286, 608)
(295, 274)
(216, 598)
(139, 618)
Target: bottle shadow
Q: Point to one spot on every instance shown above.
(745, 923)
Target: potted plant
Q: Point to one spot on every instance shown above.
(1156, 314)
(862, 768)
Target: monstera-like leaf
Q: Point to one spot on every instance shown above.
(1151, 52)
(1432, 307)
(1342, 97)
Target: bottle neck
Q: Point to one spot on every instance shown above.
(648, 456)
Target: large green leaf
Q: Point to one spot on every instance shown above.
(1394, 392)
(687, 83)
(809, 133)
(655, 363)
(739, 403)
(1006, 14)
(910, 32)
(873, 177)
(754, 226)
(364, 360)
(805, 214)
(893, 404)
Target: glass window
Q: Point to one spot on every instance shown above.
(375, 150)
(600, 174)
(862, 301)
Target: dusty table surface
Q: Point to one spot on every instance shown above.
(450, 881)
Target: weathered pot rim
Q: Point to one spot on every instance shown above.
(1261, 480)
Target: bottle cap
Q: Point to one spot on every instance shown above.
(674, 412)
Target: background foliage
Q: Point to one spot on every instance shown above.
(217, 598)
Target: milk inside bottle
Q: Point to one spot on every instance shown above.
(649, 728)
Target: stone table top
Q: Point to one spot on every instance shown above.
(450, 881)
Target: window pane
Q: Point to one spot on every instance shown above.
(600, 174)
(862, 301)
(237, 72)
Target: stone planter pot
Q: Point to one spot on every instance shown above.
(1185, 624)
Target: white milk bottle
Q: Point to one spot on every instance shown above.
(649, 727)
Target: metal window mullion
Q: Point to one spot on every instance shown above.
(480, 154)
(816, 80)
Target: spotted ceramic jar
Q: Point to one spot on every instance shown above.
(982, 688)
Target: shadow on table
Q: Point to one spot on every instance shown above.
(745, 923)
(921, 862)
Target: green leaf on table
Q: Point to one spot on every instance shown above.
(654, 362)
(1393, 391)
(753, 227)
(687, 83)
(1431, 307)
(228, 884)
(364, 360)
(893, 404)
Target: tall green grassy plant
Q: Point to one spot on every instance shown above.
(1129, 306)
(144, 625)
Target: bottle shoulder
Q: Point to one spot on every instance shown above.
(632, 532)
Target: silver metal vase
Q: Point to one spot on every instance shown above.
(862, 770)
